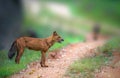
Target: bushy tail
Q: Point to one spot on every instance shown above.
(12, 50)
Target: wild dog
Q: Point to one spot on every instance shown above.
(38, 44)
(96, 31)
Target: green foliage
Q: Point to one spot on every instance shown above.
(84, 68)
(9, 67)
(110, 46)
(98, 10)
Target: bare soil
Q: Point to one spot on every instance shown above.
(59, 61)
(111, 71)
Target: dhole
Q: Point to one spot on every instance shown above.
(38, 44)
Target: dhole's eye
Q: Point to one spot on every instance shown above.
(59, 37)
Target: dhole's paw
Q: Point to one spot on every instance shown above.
(45, 65)
(41, 64)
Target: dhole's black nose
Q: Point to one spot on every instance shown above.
(62, 39)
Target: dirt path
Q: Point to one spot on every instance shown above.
(112, 70)
(58, 67)
(108, 72)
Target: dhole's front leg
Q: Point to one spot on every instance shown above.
(43, 59)
(19, 54)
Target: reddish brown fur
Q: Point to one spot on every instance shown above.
(35, 44)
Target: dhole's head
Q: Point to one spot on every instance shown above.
(56, 37)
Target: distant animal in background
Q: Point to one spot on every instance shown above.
(96, 31)
(38, 44)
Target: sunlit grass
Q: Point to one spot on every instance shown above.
(110, 46)
(8, 67)
(84, 68)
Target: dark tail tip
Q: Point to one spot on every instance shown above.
(10, 55)
(12, 50)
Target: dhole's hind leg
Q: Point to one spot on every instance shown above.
(43, 59)
(19, 54)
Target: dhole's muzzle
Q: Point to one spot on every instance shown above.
(61, 40)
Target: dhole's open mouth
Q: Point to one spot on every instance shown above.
(61, 41)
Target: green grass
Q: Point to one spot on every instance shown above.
(84, 68)
(9, 67)
(110, 46)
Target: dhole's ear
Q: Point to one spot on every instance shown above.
(54, 33)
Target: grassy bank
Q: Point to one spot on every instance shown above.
(86, 67)
(8, 67)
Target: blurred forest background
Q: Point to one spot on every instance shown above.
(72, 19)
(40, 18)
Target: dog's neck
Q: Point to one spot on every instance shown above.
(50, 41)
